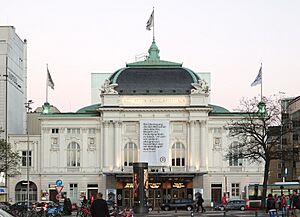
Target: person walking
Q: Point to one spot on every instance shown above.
(295, 204)
(224, 201)
(99, 207)
(271, 210)
(200, 203)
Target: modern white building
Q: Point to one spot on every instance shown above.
(13, 86)
(151, 111)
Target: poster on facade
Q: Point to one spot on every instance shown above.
(111, 194)
(154, 141)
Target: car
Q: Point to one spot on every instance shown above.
(4, 213)
(187, 204)
(235, 204)
(4, 205)
(20, 206)
(44, 204)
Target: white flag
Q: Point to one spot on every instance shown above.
(50, 82)
(150, 22)
(258, 78)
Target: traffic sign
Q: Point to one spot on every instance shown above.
(58, 196)
(58, 182)
(59, 189)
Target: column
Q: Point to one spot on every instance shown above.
(118, 145)
(192, 148)
(203, 145)
(105, 145)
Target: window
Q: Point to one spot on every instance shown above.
(234, 156)
(235, 189)
(24, 158)
(73, 192)
(91, 130)
(73, 130)
(178, 154)
(130, 153)
(73, 155)
(54, 130)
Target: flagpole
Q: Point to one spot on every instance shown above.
(47, 84)
(261, 96)
(153, 25)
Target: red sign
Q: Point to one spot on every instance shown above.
(59, 189)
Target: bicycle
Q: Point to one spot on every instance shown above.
(84, 211)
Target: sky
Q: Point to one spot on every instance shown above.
(228, 38)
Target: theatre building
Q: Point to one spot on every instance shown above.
(151, 111)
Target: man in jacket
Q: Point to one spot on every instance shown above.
(99, 207)
(295, 203)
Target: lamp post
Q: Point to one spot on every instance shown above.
(27, 106)
(283, 171)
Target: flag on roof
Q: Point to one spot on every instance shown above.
(150, 22)
(258, 78)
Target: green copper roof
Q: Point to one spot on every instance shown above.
(218, 109)
(89, 109)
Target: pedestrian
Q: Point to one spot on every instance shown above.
(224, 201)
(200, 203)
(84, 201)
(99, 207)
(271, 210)
(295, 204)
(68, 206)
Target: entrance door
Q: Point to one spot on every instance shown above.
(155, 197)
(128, 197)
(92, 192)
(178, 193)
(52, 195)
(216, 193)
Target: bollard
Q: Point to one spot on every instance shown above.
(176, 209)
(256, 213)
(224, 214)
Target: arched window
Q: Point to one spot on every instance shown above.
(21, 191)
(130, 154)
(178, 154)
(73, 155)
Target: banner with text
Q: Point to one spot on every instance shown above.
(154, 140)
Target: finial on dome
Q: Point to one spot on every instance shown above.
(153, 52)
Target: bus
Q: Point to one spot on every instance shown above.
(254, 192)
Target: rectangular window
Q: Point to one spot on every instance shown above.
(73, 130)
(24, 158)
(54, 130)
(73, 192)
(235, 189)
(92, 130)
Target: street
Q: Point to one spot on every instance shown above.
(249, 213)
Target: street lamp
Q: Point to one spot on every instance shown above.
(282, 111)
(27, 106)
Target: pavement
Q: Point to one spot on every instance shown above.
(235, 213)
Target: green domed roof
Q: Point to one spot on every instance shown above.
(219, 109)
(154, 77)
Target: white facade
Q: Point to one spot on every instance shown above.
(99, 158)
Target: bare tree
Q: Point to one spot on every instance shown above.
(9, 160)
(259, 133)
